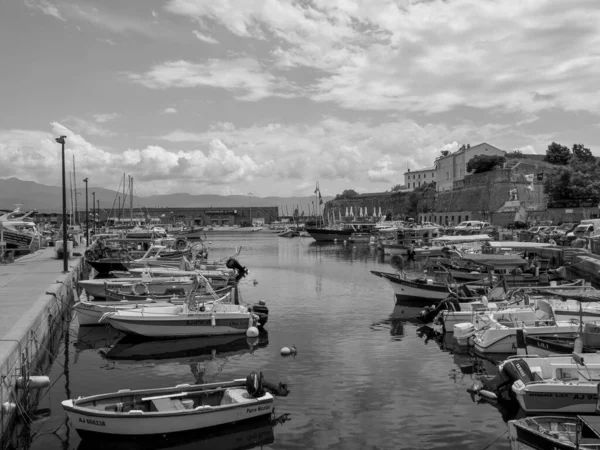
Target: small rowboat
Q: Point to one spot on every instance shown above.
(178, 296)
(157, 412)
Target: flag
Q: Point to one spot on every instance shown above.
(317, 189)
(320, 199)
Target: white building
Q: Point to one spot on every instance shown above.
(452, 168)
(416, 178)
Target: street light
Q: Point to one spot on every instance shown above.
(94, 210)
(61, 141)
(98, 209)
(87, 214)
(250, 194)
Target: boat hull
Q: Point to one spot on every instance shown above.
(534, 439)
(97, 288)
(409, 292)
(559, 397)
(90, 423)
(504, 340)
(177, 326)
(324, 235)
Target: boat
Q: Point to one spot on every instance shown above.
(171, 410)
(21, 236)
(542, 345)
(416, 292)
(193, 233)
(409, 236)
(558, 384)
(360, 237)
(89, 313)
(153, 286)
(556, 432)
(289, 233)
(496, 332)
(460, 243)
(340, 232)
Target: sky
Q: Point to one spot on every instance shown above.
(273, 96)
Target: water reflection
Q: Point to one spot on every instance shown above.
(93, 338)
(185, 351)
(247, 435)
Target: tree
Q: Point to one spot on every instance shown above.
(397, 187)
(348, 193)
(582, 153)
(558, 154)
(484, 163)
(514, 154)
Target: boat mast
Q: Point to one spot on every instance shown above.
(131, 198)
(75, 187)
(71, 191)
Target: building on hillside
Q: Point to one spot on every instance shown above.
(416, 178)
(453, 167)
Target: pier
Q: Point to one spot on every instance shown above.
(35, 299)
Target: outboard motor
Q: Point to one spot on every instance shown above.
(241, 270)
(261, 310)
(430, 312)
(500, 386)
(254, 385)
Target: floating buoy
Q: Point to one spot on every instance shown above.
(252, 332)
(34, 382)
(8, 407)
(287, 351)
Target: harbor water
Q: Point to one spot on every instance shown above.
(364, 377)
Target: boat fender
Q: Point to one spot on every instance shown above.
(252, 332)
(254, 385)
(33, 382)
(213, 320)
(287, 351)
(490, 396)
(180, 244)
(89, 255)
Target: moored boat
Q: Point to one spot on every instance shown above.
(171, 410)
(556, 432)
(417, 292)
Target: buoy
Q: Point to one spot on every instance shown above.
(8, 407)
(286, 351)
(213, 321)
(252, 341)
(35, 382)
(252, 332)
(488, 395)
(578, 345)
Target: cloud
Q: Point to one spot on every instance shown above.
(34, 155)
(383, 170)
(101, 118)
(204, 38)
(107, 41)
(425, 57)
(46, 7)
(243, 76)
(169, 111)
(88, 127)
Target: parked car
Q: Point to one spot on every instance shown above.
(536, 230)
(517, 225)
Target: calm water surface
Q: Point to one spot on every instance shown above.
(364, 376)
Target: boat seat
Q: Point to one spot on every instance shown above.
(233, 396)
(167, 404)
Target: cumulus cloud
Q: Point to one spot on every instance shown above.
(169, 111)
(205, 38)
(34, 155)
(243, 76)
(88, 127)
(105, 117)
(430, 57)
(383, 170)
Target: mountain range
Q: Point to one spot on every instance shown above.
(43, 198)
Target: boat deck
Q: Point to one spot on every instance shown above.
(24, 281)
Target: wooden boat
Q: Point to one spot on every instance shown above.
(194, 233)
(153, 286)
(163, 411)
(416, 292)
(556, 432)
(415, 235)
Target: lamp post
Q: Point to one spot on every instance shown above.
(250, 194)
(61, 141)
(98, 209)
(87, 214)
(94, 210)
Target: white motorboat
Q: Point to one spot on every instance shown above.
(559, 384)
(157, 412)
(89, 313)
(18, 234)
(187, 320)
(498, 330)
(416, 292)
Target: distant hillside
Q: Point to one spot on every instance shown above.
(32, 195)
